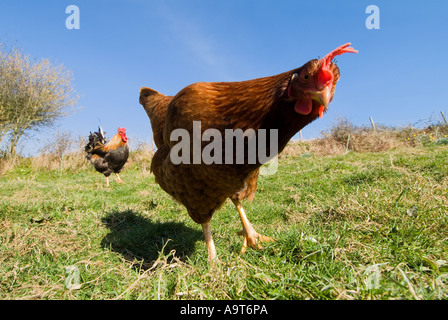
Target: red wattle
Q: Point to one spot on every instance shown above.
(304, 106)
(321, 111)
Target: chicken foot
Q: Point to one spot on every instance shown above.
(251, 237)
(207, 230)
(118, 178)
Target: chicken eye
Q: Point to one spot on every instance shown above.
(306, 77)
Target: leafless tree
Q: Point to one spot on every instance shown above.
(33, 94)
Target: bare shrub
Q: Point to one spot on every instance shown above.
(342, 130)
(344, 136)
(33, 94)
(64, 152)
(366, 139)
(7, 164)
(141, 156)
(318, 147)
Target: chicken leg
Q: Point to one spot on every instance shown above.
(251, 237)
(118, 178)
(207, 230)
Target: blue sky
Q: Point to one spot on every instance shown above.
(398, 77)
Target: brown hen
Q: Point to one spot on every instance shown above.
(282, 105)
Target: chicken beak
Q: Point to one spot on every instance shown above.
(323, 96)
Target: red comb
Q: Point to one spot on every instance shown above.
(336, 52)
(326, 76)
(122, 129)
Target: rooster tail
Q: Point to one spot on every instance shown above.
(96, 140)
(101, 132)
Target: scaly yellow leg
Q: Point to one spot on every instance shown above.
(251, 237)
(207, 230)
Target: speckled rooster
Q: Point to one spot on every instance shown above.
(108, 157)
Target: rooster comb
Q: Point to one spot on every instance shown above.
(336, 52)
(122, 130)
(325, 75)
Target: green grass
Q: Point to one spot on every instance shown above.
(356, 226)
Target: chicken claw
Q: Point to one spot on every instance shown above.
(118, 179)
(252, 240)
(251, 237)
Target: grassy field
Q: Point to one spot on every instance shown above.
(353, 226)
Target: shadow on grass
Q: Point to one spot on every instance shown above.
(140, 240)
